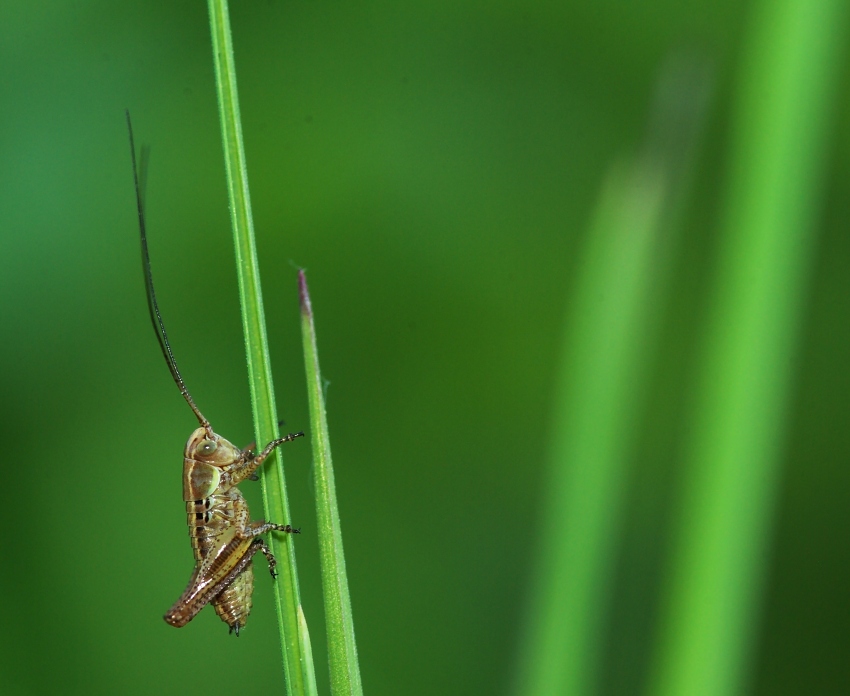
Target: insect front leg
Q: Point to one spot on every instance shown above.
(248, 455)
(251, 462)
(248, 452)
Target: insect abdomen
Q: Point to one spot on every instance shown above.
(204, 526)
(234, 604)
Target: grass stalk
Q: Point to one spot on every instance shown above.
(295, 641)
(611, 328)
(587, 468)
(342, 648)
(718, 560)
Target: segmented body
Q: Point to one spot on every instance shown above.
(234, 604)
(208, 520)
(222, 535)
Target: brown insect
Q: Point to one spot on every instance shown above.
(223, 537)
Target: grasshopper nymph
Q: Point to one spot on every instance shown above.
(223, 537)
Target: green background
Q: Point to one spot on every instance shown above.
(434, 166)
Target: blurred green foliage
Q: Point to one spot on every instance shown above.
(435, 167)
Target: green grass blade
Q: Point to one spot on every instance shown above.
(597, 391)
(611, 328)
(732, 467)
(342, 649)
(307, 651)
(294, 641)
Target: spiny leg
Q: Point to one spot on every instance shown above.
(267, 450)
(253, 461)
(256, 528)
(260, 545)
(248, 452)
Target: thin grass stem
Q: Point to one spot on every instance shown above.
(295, 641)
(718, 560)
(585, 487)
(612, 326)
(342, 648)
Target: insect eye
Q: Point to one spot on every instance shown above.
(205, 448)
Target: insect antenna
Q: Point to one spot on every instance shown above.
(156, 317)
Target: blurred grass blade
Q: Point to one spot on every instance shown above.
(785, 94)
(586, 477)
(295, 644)
(342, 649)
(614, 312)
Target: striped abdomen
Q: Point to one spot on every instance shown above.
(234, 604)
(204, 527)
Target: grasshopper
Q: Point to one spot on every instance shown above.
(223, 537)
